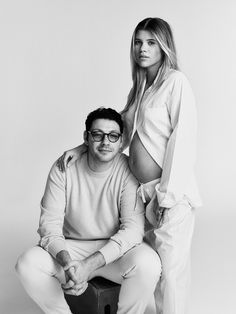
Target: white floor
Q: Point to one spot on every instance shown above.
(213, 272)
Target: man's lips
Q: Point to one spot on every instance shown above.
(104, 150)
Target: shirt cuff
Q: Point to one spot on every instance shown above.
(167, 200)
(56, 246)
(110, 251)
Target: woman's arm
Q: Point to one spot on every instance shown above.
(125, 135)
(177, 174)
(70, 156)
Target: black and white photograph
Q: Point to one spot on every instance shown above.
(117, 156)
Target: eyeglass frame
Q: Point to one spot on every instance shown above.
(105, 134)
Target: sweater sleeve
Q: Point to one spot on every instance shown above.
(131, 229)
(53, 206)
(180, 152)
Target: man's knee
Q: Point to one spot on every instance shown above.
(23, 264)
(147, 264)
(27, 262)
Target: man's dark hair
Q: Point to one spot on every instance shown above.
(104, 113)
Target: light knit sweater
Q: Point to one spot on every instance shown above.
(85, 205)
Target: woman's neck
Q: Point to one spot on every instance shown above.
(151, 75)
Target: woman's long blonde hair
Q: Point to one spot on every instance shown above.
(161, 30)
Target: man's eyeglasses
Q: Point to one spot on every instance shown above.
(98, 136)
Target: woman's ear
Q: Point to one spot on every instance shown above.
(86, 138)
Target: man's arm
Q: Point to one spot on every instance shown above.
(80, 272)
(83, 269)
(53, 206)
(52, 213)
(132, 219)
(63, 258)
(72, 285)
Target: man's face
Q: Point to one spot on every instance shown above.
(103, 151)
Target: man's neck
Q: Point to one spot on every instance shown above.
(98, 166)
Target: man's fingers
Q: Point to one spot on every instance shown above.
(80, 286)
(85, 286)
(71, 273)
(70, 265)
(77, 289)
(71, 292)
(68, 285)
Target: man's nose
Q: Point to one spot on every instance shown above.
(105, 139)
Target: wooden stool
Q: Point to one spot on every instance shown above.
(101, 297)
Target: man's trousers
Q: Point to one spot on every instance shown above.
(138, 272)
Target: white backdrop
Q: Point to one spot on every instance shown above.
(61, 59)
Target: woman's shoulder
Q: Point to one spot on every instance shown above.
(176, 79)
(175, 76)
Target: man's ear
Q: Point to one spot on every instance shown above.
(85, 138)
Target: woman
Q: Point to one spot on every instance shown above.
(160, 129)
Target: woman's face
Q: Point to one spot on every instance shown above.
(147, 50)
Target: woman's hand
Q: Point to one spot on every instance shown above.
(70, 156)
(161, 214)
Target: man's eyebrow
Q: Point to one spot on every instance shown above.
(111, 131)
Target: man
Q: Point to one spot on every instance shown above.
(92, 224)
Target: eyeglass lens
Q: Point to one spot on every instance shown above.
(99, 136)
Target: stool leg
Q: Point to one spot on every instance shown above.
(107, 309)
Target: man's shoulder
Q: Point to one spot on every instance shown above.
(124, 158)
(54, 168)
(55, 174)
(122, 161)
(122, 167)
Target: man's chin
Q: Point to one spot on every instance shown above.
(105, 156)
(105, 153)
